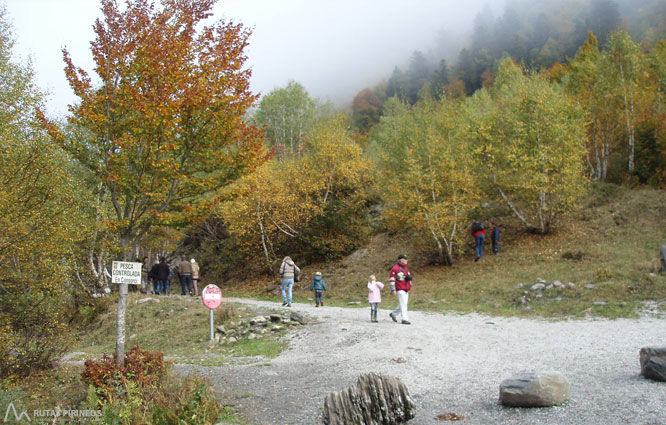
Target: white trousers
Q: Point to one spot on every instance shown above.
(403, 297)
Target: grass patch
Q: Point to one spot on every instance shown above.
(178, 327)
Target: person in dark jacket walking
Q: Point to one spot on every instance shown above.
(495, 238)
(318, 286)
(160, 273)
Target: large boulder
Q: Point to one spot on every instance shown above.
(653, 363)
(535, 390)
(373, 400)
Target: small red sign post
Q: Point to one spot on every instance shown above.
(212, 298)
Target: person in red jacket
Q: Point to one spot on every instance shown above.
(479, 234)
(401, 283)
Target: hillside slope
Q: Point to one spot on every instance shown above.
(608, 251)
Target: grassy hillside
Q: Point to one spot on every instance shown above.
(608, 250)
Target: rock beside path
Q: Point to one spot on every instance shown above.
(373, 400)
(653, 363)
(535, 390)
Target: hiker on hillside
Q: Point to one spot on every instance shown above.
(374, 296)
(479, 234)
(495, 238)
(401, 283)
(318, 286)
(185, 273)
(195, 277)
(288, 271)
(145, 281)
(160, 273)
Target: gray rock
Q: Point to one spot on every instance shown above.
(535, 390)
(275, 318)
(571, 285)
(538, 287)
(257, 320)
(354, 303)
(663, 258)
(373, 400)
(600, 303)
(221, 330)
(276, 328)
(251, 336)
(653, 363)
(298, 317)
(147, 300)
(558, 284)
(590, 286)
(520, 285)
(232, 340)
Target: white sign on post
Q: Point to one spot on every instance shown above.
(126, 272)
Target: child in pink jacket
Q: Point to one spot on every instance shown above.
(374, 296)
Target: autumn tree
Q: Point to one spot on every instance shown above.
(586, 78)
(426, 172)
(658, 72)
(286, 203)
(165, 124)
(625, 62)
(287, 113)
(366, 110)
(42, 221)
(528, 139)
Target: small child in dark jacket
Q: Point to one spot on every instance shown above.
(319, 286)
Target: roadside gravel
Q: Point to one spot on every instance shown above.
(451, 363)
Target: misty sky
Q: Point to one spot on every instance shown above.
(334, 48)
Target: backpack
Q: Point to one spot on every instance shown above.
(477, 226)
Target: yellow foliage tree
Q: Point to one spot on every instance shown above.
(427, 176)
(274, 206)
(529, 141)
(41, 222)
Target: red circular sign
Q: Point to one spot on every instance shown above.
(211, 296)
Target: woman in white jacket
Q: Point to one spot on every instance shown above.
(288, 270)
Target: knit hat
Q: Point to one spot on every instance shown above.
(192, 261)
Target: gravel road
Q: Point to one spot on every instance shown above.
(451, 363)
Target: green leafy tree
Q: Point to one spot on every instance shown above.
(287, 114)
(625, 63)
(528, 138)
(426, 172)
(42, 223)
(587, 80)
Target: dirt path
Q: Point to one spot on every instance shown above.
(451, 363)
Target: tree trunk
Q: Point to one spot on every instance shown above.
(122, 307)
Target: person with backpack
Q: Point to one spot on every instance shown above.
(479, 234)
(288, 272)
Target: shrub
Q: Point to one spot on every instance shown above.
(145, 392)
